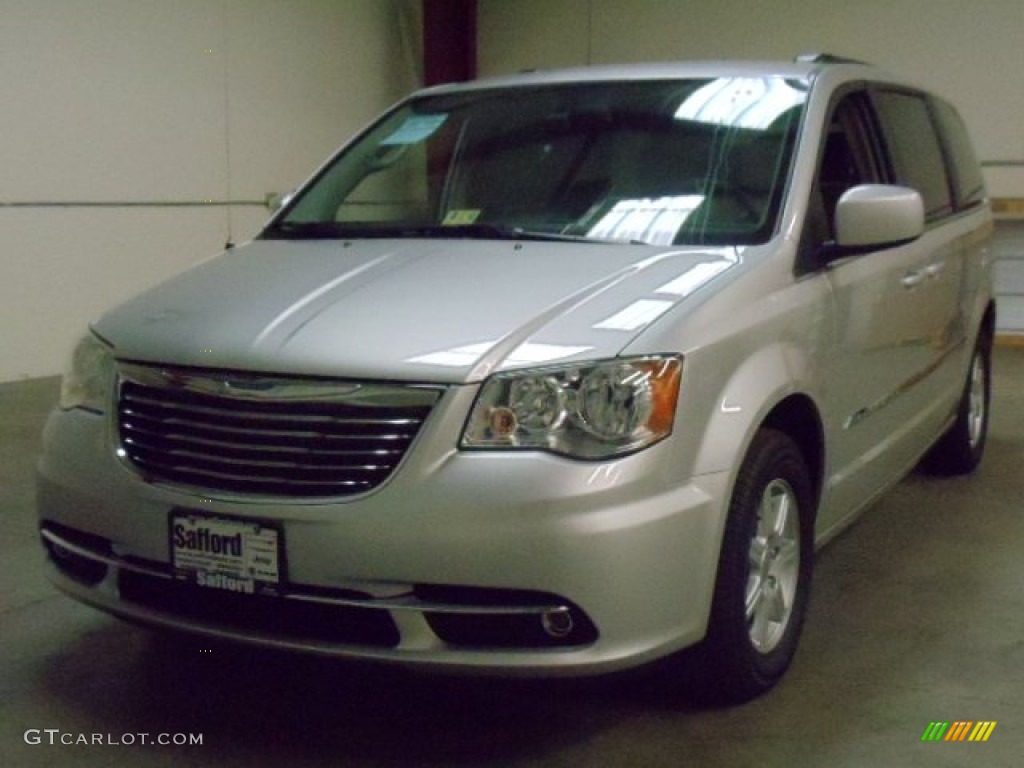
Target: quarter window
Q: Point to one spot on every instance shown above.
(914, 151)
(968, 182)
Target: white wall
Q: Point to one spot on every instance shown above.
(158, 100)
(190, 100)
(971, 52)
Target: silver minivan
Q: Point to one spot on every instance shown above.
(558, 373)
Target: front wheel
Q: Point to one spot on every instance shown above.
(764, 572)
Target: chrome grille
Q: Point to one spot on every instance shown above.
(265, 435)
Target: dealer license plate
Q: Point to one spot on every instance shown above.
(218, 553)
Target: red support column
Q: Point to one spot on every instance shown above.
(449, 41)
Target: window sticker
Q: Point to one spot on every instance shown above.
(414, 130)
(461, 217)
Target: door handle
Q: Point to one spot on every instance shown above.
(913, 279)
(935, 270)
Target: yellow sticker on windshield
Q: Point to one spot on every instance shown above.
(461, 217)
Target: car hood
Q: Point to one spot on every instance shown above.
(414, 310)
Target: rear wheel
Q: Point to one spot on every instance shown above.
(960, 449)
(764, 573)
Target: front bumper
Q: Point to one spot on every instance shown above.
(506, 562)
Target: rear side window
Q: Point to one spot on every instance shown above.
(915, 153)
(968, 183)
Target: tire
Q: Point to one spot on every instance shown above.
(764, 573)
(959, 450)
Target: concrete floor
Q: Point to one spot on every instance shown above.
(917, 616)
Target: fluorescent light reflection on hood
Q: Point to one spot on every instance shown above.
(528, 353)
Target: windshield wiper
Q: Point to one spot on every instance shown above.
(490, 232)
(316, 230)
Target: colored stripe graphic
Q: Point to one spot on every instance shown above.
(934, 731)
(959, 730)
(982, 731)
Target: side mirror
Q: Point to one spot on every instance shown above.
(878, 215)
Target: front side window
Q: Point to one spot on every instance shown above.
(660, 162)
(847, 158)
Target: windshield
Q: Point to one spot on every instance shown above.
(660, 162)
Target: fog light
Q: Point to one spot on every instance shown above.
(82, 569)
(557, 623)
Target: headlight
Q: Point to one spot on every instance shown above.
(592, 411)
(87, 379)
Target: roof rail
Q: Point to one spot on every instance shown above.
(825, 58)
